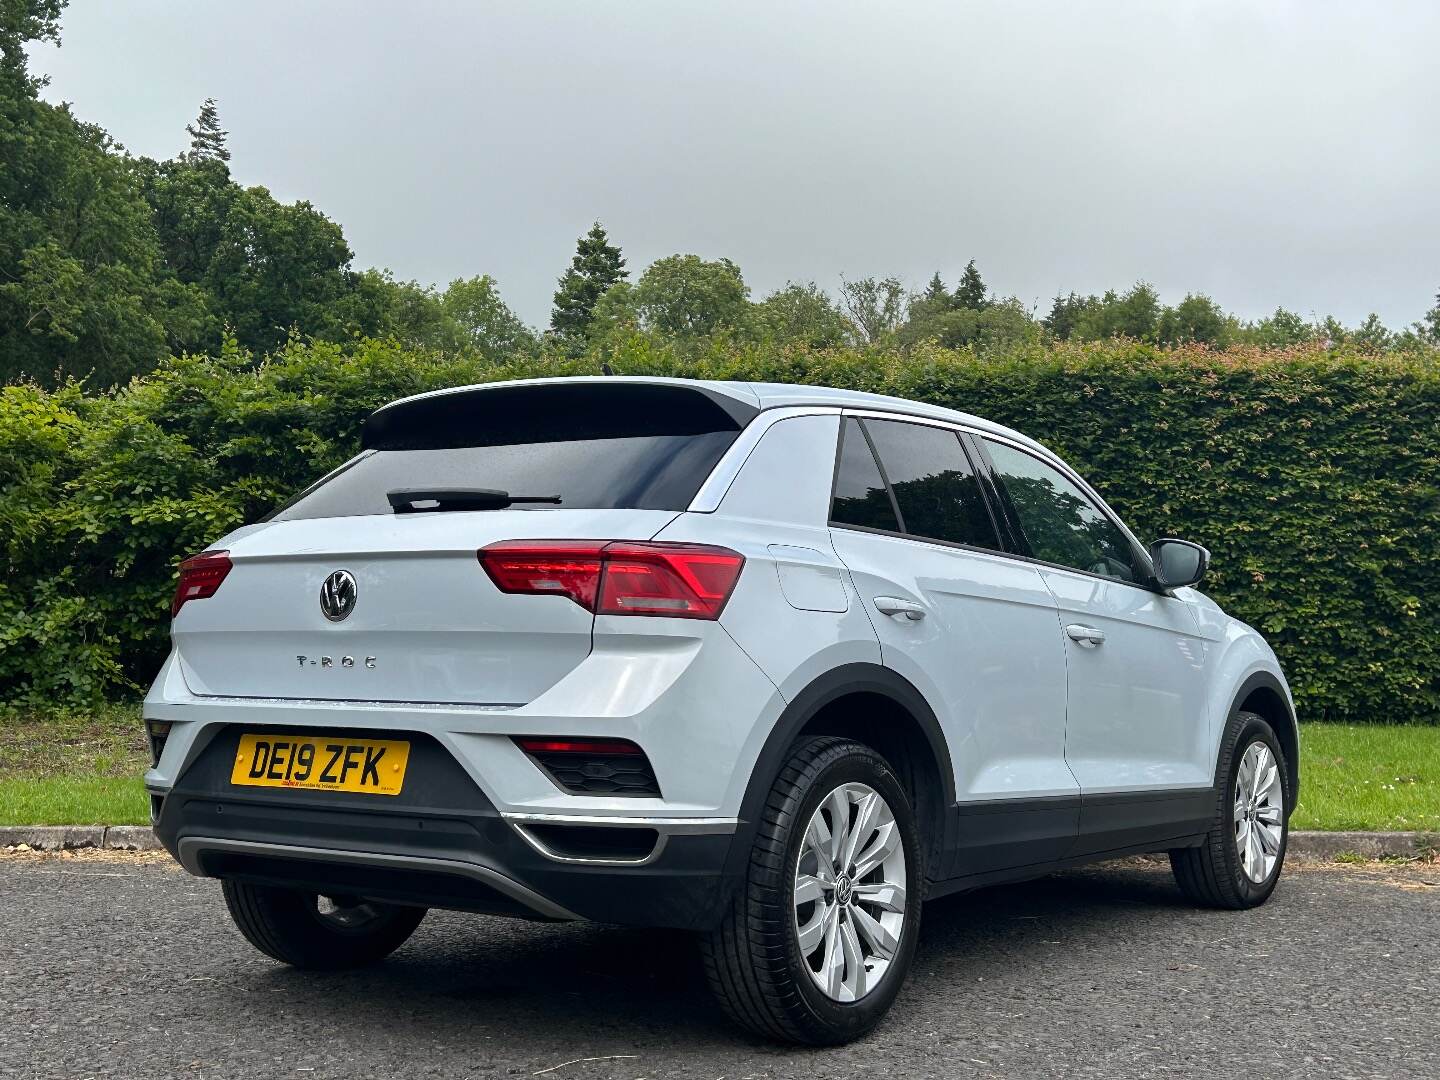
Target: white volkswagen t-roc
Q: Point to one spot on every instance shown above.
(772, 663)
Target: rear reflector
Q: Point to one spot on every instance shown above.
(200, 576)
(584, 766)
(683, 581)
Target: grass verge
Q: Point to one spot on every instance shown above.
(82, 767)
(1380, 778)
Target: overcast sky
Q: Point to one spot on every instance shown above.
(1267, 152)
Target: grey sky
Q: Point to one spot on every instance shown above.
(1267, 153)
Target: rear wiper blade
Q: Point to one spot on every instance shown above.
(431, 500)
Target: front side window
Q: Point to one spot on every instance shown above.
(860, 495)
(1060, 522)
(933, 482)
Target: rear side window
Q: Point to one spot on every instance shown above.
(587, 446)
(1060, 522)
(860, 495)
(938, 494)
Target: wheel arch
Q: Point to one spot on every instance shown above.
(1264, 694)
(880, 708)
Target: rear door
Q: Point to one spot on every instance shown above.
(424, 622)
(977, 633)
(1136, 737)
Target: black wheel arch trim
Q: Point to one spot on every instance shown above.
(858, 678)
(1265, 680)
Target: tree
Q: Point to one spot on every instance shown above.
(971, 292)
(596, 265)
(1133, 315)
(1065, 314)
(485, 322)
(83, 287)
(207, 141)
(935, 292)
(1429, 327)
(1197, 318)
(876, 307)
(1278, 330)
(803, 314)
(1372, 335)
(278, 269)
(21, 22)
(685, 296)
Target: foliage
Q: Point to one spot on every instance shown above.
(802, 314)
(596, 267)
(207, 141)
(687, 297)
(876, 307)
(1313, 475)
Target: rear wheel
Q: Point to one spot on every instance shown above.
(1240, 861)
(819, 938)
(320, 932)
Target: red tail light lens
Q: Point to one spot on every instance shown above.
(560, 567)
(689, 581)
(200, 576)
(680, 581)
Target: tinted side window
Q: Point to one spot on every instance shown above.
(860, 495)
(1060, 522)
(937, 491)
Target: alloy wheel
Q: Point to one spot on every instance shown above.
(1259, 812)
(850, 892)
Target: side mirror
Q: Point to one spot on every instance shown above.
(1178, 563)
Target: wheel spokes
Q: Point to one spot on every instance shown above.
(854, 981)
(883, 943)
(849, 892)
(885, 896)
(809, 889)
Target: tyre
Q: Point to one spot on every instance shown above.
(820, 935)
(317, 932)
(1240, 860)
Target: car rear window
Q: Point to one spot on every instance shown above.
(594, 446)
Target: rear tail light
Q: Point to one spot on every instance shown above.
(200, 576)
(683, 581)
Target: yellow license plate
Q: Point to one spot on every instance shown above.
(373, 766)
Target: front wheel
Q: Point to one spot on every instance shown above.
(818, 939)
(319, 932)
(1240, 860)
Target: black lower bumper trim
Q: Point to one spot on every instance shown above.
(439, 844)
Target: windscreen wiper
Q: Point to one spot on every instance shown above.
(431, 500)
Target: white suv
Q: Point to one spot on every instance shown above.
(772, 663)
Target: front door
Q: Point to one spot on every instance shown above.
(1136, 737)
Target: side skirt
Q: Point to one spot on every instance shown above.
(1013, 839)
(1011, 875)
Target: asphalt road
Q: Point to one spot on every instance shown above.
(123, 966)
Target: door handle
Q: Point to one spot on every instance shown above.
(893, 605)
(1086, 636)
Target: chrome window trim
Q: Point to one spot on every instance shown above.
(1036, 451)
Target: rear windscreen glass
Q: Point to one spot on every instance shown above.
(640, 472)
(577, 444)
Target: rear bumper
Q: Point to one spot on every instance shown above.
(443, 844)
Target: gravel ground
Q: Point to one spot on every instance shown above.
(121, 965)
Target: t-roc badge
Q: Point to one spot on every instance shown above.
(337, 595)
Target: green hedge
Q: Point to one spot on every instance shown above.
(1313, 476)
